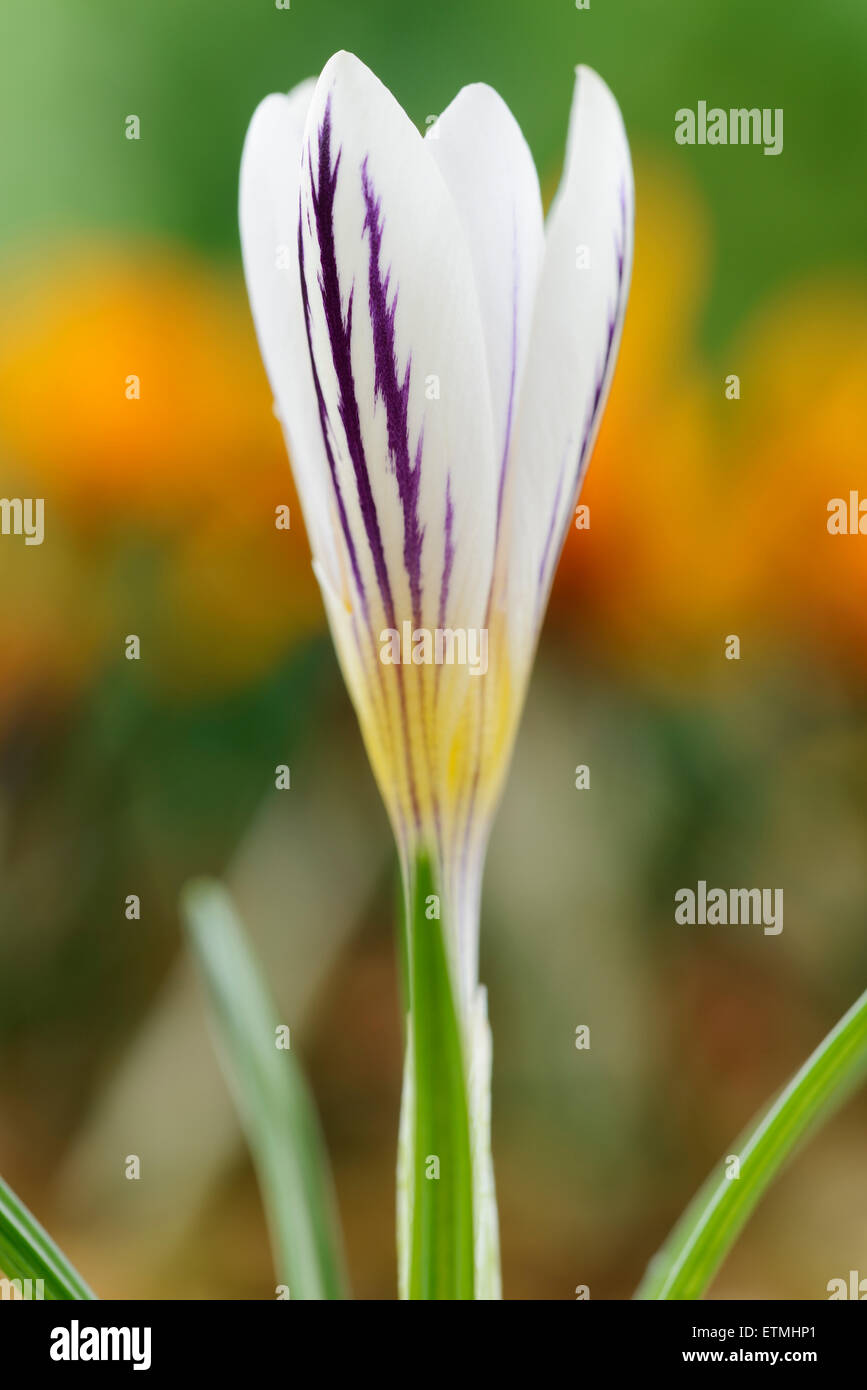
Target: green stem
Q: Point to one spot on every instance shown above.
(702, 1238)
(437, 1182)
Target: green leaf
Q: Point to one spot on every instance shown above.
(272, 1097)
(438, 1183)
(28, 1252)
(700, 1241)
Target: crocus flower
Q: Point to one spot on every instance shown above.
(440, 360)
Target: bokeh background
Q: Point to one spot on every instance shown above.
(708, 517)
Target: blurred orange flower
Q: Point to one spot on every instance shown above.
(801, 439)
(133, 400)
(707, 514)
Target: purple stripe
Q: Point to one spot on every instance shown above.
(340, 340)
(393, 392)
(448, 561)
(339, 329)
(546, 550)
(483, 693)
(591, 419)
(344, 523)
(620, 248)
(448, 552)
(511, 405)
(323, 421)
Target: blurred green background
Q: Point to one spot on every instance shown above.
(708, 518)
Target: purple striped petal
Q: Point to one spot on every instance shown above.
(575, 335)
(398, 357)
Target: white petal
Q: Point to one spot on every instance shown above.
(574, 339)
(270, 182)
(398, 351)
(487, 164)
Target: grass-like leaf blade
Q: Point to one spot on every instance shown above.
(273, 1100)
(28, 1252)
(700, 1241)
